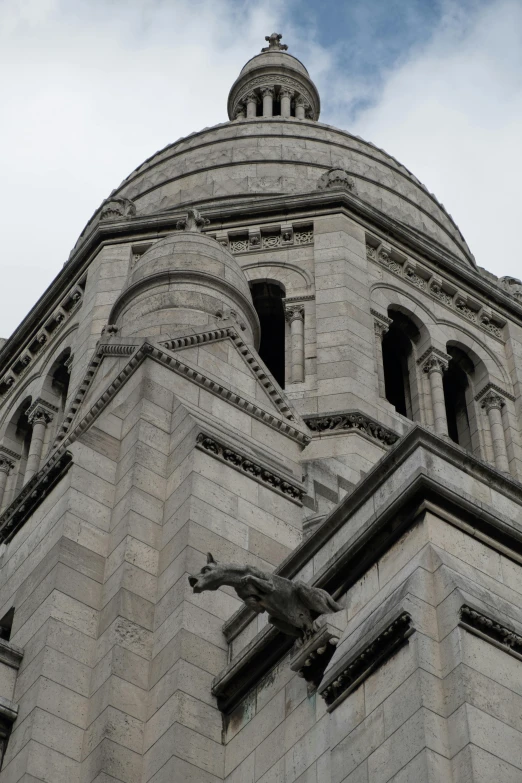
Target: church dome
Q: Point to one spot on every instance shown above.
(269, 149)
(185, 282)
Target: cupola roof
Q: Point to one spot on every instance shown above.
(291, 91)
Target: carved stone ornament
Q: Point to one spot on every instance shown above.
(115, 208)
(6, 464)
(336, 178)
(352, 420)
(512, 285)
(433, 360)
(293, 607)
(294, 312)
(492, 400)
(109, 330)
(193, 222)
(274, 43)
(41, 411)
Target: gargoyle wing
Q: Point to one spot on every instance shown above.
(316, 599)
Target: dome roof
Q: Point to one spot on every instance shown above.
(275, 60)
(184, 282)
(260, 156)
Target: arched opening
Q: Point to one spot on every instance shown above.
(456, 392)
(23, 432)
(398, 363)
(268, 301)
(59, 378)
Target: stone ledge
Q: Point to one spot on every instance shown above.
(252, 663)
(344, 421)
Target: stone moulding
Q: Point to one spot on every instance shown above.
(431, 285)
(244, 464)
(496, 633)
(311, 660)
(357, 668)
(34, 492)
(344, 421)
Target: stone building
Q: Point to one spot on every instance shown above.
(271, 343)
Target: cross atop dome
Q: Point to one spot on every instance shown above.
(274, 44)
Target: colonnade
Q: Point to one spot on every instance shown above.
(267, 96)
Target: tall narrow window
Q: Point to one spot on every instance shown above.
(268, 301)
(456, 385)
(397, 358)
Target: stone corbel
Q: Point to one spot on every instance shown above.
(287, 233)
(254, 238)
(312, 658)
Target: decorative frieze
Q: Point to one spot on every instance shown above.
(267, 239)
(501, 635)
(438, 289)
(359, 667)
(244, 464)
(352, 420)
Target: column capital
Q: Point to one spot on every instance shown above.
(41, 411)
(6, 464)
(492, 400)
(251, 98)
(267, 91)
(300, 100)
(381, 323)
(434, 360)
(286, 92)
(294, 312)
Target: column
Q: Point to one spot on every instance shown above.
(251, 103)
(39, 416)
(268, 101)
(6, 465)
(285, 96)
(381, 324)
(240, 112)
(300, 107)
(493, 403)
(435, 365)
(295, 317)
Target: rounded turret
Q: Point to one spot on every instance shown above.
(186, 282)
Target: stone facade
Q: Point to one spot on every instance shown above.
(141, 426)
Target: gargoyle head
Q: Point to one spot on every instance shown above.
(210, 577)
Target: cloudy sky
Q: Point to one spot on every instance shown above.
(90, 88)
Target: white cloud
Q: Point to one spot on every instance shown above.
(94, 88)
(452, 113)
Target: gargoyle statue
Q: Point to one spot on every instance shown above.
(292, 606)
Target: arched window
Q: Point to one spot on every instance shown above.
(20, 431)
(457, 392)
(268, 301)
(399, 364)
(60, 377)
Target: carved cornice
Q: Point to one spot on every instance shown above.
(252, 469)
(493, 387)
(432, 285)
(352, 420)
(357, 668)
(501, 635)
(34, 492)
(292, 299)
(284, 425)
(8, 459)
